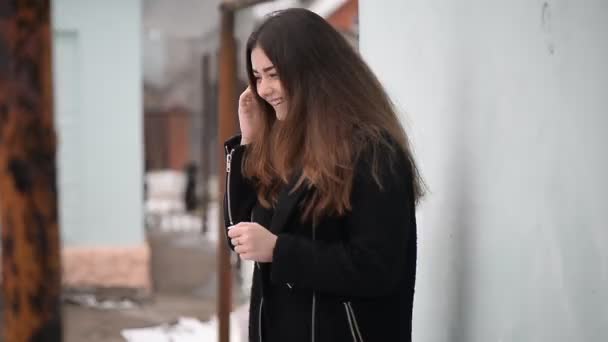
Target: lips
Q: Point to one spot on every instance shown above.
(275, 102)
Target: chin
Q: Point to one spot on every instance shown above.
(280, 116)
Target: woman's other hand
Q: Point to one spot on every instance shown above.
(252, 241)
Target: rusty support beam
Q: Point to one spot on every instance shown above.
(235, 5)
(227, 126)
(28, 195)
(205, 141)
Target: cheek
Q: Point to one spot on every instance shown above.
(280, 89)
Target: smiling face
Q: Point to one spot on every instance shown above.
(268, 83)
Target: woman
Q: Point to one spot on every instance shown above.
(321, 190)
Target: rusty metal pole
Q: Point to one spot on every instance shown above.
(228, 125)
(28, 195)
(205, 141)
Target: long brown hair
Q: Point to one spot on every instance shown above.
(337, 107)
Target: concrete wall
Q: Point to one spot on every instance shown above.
(97, 75)
(507, 106)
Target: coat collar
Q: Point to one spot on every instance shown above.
(287, 204)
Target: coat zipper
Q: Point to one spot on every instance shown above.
(352, 322)
(228, 162)
(352, 313)
(257, 265)
(314, 295)
(260, 319)
(231, 221)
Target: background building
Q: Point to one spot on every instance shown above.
(506, 104)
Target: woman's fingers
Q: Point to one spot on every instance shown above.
(246, 256)
(240, 249)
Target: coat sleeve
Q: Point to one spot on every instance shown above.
(371, 260)
(239, 194)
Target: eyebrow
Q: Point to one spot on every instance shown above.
(267, 69)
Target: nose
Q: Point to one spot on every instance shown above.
(264, 89)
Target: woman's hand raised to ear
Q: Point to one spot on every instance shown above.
(250, 115)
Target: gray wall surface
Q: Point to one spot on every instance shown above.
(507, 106)
(98, 111)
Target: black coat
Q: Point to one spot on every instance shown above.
(347, 278)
